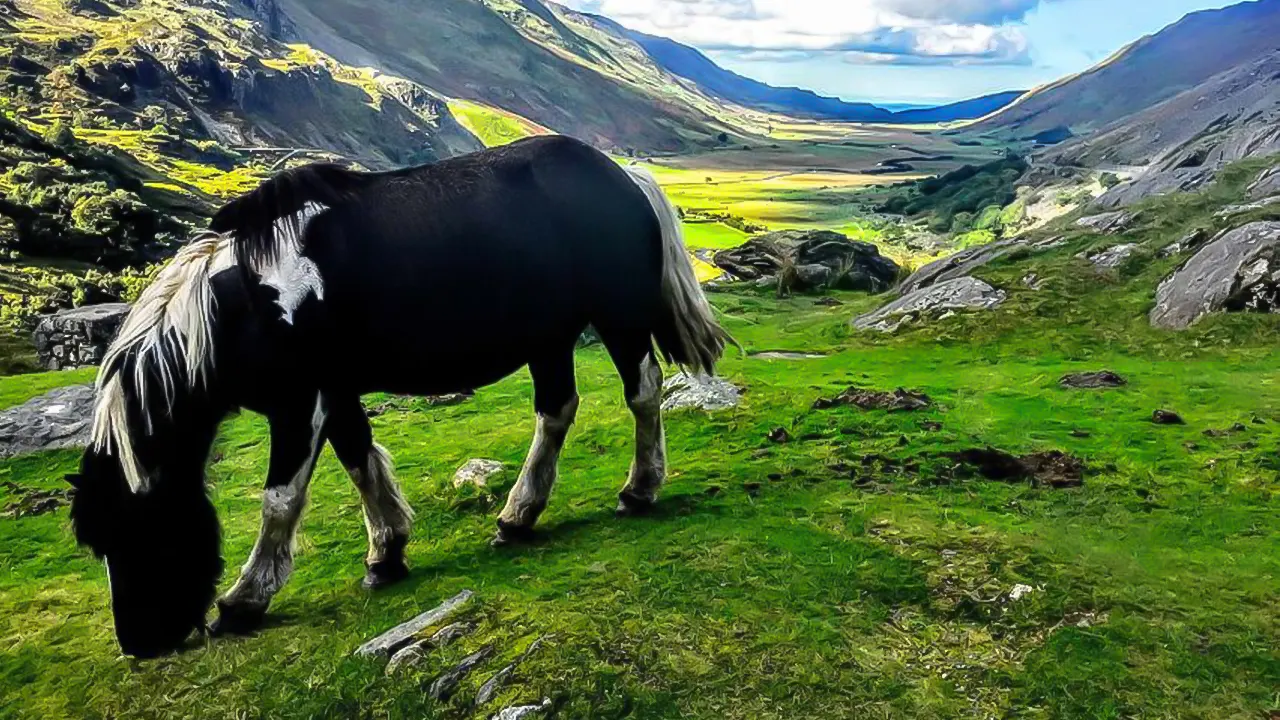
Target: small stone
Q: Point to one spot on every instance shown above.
(702, 392)
(477, 472)
(1093, 380)
(523, 711)
(1167, 417)
(779, 436)
(401, 635)
(493, 684)
(1020, 591)
(443, 687)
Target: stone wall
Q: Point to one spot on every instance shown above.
(79, 337)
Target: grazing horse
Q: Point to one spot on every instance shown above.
(326, 284)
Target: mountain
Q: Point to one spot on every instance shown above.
(729, 86)
(963, 110)
(1153, 69)
(732, 87)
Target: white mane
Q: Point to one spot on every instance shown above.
(171, 323)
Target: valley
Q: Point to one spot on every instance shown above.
(1033, 475)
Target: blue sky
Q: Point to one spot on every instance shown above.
(902, 50)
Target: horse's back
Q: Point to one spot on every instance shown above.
(474, 266)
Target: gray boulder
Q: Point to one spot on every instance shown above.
(1233, 210)
(1267, 184)
(957, 265)
(1108, 223)
(702, 392)
(478, 472)
(965, 293)
(1239, 270)
(59, 419)
(821, 258)
(1112, 257)
(79, 337)
(1153, 183)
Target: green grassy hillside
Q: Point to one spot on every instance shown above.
(856, 571)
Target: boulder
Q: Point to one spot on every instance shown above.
(1267, 184)
(1108, 223)
(79, 337)
(821, 258)
(1233, 210)
(1239, 270)
(57, 420)
(963, 293)
(1112, 257)
(957, 265)
(1153, 183)
(477, 471)
(699, 391)
(1190, 241)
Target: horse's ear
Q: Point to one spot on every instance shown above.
(76, 480)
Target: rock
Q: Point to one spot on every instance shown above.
(1093, 380)
(443, 687)
(401, 635)
(844, 263)
(964, 293)
(1019, 591)
(898, 400)
(1267, 184)
(786, 355)
(1232, 210)
(477, 471)
(1033, 281)
(59, 419)
(1190, 241)
(1152, 183)
(79, 337)
(1233, 430)
(779, 435)
(699, 391)
(1108, 223)
(1112, 257)
(417, 651)
(956, 266)
(1236, 271)
(1167, 417)
(495, 683)
(523, 711)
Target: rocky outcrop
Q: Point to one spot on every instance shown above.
(701, 392)
(820, 258)
(1237, 271)
(1153, 183)
(79, 337)
(58, 420)
(965, 293)
(1267, 184)
(1112, 257)
(958, 265)
(1108, 223)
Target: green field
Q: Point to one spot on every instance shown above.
(774, 582)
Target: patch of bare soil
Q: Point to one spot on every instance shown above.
(899, 400)
(1054, 468)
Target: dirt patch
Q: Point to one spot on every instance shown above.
(1093, 380)
(1055, 469)
(899, 400)
(30, 503)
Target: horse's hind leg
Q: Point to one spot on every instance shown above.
(387, 516)
(556, 402)
(296, 438)
(642, 382)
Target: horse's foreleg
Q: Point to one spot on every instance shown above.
(556, 403)
(296, 439)
(387, 516)
(649, 467)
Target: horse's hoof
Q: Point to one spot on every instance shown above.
(385, 574)
(237, 619)
(633, 506)
(509, 535)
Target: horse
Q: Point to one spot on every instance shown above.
(325, 284)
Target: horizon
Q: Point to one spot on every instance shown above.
(931, 52)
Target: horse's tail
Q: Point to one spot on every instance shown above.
(692, 338)
(264, 220)
(166, 341)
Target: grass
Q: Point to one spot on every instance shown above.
(493, 126)
(769, 584)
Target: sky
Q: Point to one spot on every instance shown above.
(901, 51)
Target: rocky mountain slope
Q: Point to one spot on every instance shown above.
(1156, 68)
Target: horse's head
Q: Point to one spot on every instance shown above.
(161, 548)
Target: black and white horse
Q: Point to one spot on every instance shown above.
(325, 284)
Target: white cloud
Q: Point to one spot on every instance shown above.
(872, 31)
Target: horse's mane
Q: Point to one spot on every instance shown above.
(256, 218)
(167, 335)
